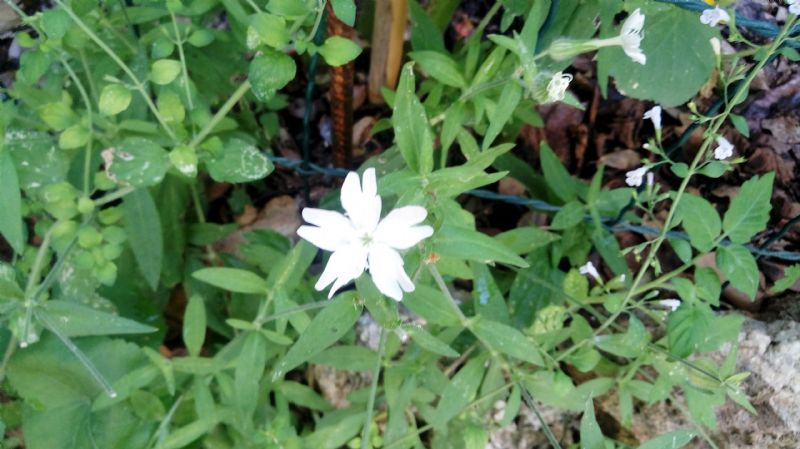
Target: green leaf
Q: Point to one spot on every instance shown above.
(412, 131)
(740, 267)
(269, 72)
(631, 344)
(431, 304)
(383, 310)
(740, 123)
(114, 99)
(440, 67)
(164, 71)
(345, 11)
(348, 358)
(508, 340)
(429, 342)
(143, 226)
(459, 392)
(185, 435)
(239, 162)
(790, 275)
(570, 215)
(233, 279)
(670, 440)
(339, 50)
(249, 369)
(687, 328)
(73, 137)
(673, 37)
(700, 220)
(57, 116)
(325, 329)
(525, 239)
(302, 395)
(506, 105)
(591, 435)
(56, 23)
(472, 245)
(425, 35)
(194, 325)
(749, 210)
(11, 199)
(708, 285)
(271, 30)
(137, 162)
(76, 320)
(557, 177)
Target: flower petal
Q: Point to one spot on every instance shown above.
(334, 231)
(343, 266)
(386, 269)
(398, 228)
(362, 203)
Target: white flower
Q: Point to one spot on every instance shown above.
(557, 87)
(650, 178)
(724, 149)
(671, 304)
(716, 46)
(634, 177)
(794, 6)
(714, 16)
(631, 36)
(361, 241)
(654, 114)
(589, 269)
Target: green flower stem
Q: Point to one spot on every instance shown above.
(88, 72)
(10, 349)
(87, 159)
(221, 113)
(113, 196)
(138, 84)
(373, 391)
(292, 311)
(185, 73)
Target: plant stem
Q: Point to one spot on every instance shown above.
(221, 113)
(443, 287)
(373, 390)
(10, 349)
(87, 159)
(113, 196)
(179, 42)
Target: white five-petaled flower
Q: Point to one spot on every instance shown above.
(794, 7)
(654, 114)
(671, 304)
(634, 177)
(724, 149)
(557, 87)
(713, 16)
(361, 241)
(631, 36)
(589, 269)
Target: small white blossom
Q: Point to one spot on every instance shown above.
(794, 7)
(650, 178)
(589, 269)
(654, 114)
(671, 304)
(716, 46)
(361, 241)
(713, 16)
(634, 178)
(724, 149)
(631, 36)
(557, 87)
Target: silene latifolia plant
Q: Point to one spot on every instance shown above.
(129, 321)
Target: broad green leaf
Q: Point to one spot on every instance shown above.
(324, 330)
(348, 358)
(194, 325)
(790, 276)
(687, 328)
(459, 391)
(164, 71)
(269, 72)
(10, 198)
(239, 162)
(700, 220)
(591, 435)
(58, 116)
(425, 35)
(508, 340)
(740, 267)
(270, 29)
(76, 320)
(411, 128)
(114, 99)
(339, 50)
(673, 37)
(429, 342)
(749, 210)
(232, 279)
(488, 300)
(440, 67)
(249, 369)
(56, 23)
(570, 215)
(473, 245)
(670, 440)
(631, 344)
(185, 435)
(38, 161)
(143, 226)
(345, 11)
(708, 285)
(431, 304)
(73, 137)
(302, 395)
(557, 177)
(525, 239)
(336, 432)
(137, 162)
(506, 105)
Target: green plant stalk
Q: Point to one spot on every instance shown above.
(184, 72)
(138, 85)
(532, 405)
(87, 158)
(373, 391)
(87, 71)
(292, 311)
(221, 113)
(113, 196)
(10, 349)
(700, 156)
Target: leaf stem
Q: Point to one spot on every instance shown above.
(221, 113)
(373, 390)
(443, 287)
